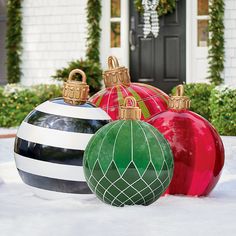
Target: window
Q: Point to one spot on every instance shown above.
(115, 24)
(202, 33)
(202, 23)
(203, 6)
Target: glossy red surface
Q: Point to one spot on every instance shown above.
(197, 148)
(151, 100)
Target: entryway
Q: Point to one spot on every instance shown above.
(159, 61)
(179, 54)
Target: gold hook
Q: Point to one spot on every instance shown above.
(179, 90)
(112, 62)
(133, 101)
(116, 74)
(132, 112)
(179, 101)
(77, 71)
(75, 92)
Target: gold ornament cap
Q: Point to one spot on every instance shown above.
(179, 101)
(116, 74)
(76, 92)
(130, 112)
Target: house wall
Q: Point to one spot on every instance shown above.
(230, 43)
(54, 33)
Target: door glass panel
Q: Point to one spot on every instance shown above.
(115, 8)
(202, 33)
(115, 34)
(203, 7)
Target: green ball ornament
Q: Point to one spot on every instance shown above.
(128, 161)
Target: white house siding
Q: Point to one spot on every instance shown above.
(54, 33)
(230, 42)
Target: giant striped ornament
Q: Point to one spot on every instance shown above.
(50, 144)
(151, 100)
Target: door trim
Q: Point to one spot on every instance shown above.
(121, 53)
(189, 49)
(194, 54)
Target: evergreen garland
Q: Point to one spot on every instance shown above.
(94, 12)
(216, 42)
(164, 7)
(13, 40)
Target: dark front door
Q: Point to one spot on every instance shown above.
(159, 61)
(3, 27)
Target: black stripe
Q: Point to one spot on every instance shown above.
(57, 185)
(64, 123)
(48, 153)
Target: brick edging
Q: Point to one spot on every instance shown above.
(2, 136)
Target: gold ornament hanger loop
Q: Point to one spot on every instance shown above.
(130, 99)
(130, 112)
(75, 92)
(116, 74)
(179, 90)
(179, 101)
(113, 62)
(77, 71)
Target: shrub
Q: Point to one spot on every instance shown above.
(92, 70)
(199, 93)
(17, 101)
(223, 110)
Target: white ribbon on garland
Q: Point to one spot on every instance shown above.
(151, 19)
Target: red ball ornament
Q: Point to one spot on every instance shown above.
(197, 147)
(150, 100)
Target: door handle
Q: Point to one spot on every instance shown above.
(131, 42)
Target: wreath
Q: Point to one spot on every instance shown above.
(164, 7)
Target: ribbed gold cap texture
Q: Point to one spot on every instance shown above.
(115, 74)
(179, 101)
(75, 92)
(130, 112)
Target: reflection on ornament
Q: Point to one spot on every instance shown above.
(128, 161)
(50, 142)
(197, 147)
(150, 100)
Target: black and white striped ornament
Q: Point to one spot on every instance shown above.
(50, 144)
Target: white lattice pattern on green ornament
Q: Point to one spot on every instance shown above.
(119, 191)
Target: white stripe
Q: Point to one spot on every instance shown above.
(73, 111)
(52, 137)
(53, 195)
(51, 170)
